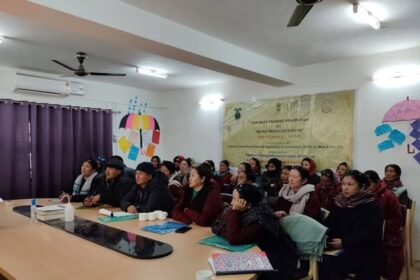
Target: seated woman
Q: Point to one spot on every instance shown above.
(224, 176)
(83, 182)
(355, 225)
(243, 167)
(310, 165)
(298, 196)
(284, 177)
(155, 160)
(201, 203)
(175, 187)
(341, 170)
(249, 220)
(210, 163)
(392, 262)
(256, 170)
(327, 189)
(184, 171)
(270, 179)
(392, 181)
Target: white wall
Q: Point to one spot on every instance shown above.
(198, 133)
(98, 95)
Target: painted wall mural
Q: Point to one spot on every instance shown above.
(404, 111)
(140, 132)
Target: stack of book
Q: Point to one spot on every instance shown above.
(52, 212)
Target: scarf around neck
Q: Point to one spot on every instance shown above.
(83, 190)
(259, 213)
(392, 185)
(362, 198)
(298, 199)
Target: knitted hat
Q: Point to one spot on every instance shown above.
(115, 163)
(146, 167)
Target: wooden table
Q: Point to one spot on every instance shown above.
(38, 251)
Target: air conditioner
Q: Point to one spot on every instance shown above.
(34, 84)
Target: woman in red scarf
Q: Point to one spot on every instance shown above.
(392, 262)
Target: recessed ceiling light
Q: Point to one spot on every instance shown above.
(148, 71)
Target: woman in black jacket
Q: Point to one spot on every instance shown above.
(355, 228)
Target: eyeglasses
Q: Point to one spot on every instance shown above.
(327, 174)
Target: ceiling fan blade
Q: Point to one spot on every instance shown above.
(64, 65)
(299, 14)
(107, 74)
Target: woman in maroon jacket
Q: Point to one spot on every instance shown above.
(201, 203)
(250, 220)
(298, 196)
(327, 189)
(393, 261)
(224, 176)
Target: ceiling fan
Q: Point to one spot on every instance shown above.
(81, 72)
(301, 11)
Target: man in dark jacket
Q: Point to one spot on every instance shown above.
(111, 186)
(150, 193)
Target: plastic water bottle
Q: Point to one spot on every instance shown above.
(69, 212)
(33, 210)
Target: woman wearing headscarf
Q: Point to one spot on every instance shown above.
(250, 220)
(270, 179)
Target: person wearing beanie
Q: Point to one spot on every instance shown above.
(202, 202)
(111, 187)
(151, 192)
(174, 186)
(250, 220)
(270, 179)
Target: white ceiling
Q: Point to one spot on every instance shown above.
(31, 46)
(327, 33)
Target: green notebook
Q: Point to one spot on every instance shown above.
(220, 242)
(106, 219)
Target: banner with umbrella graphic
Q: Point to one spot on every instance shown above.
(406, 110)
(142, 135)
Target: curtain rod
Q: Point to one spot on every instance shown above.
(10, 101)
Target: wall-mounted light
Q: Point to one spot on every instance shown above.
(153, 72)
(366, 16)
(211, 102)
(396, 76)
(2, 39)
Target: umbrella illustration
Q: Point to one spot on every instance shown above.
(405, 110)
(134, 142)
